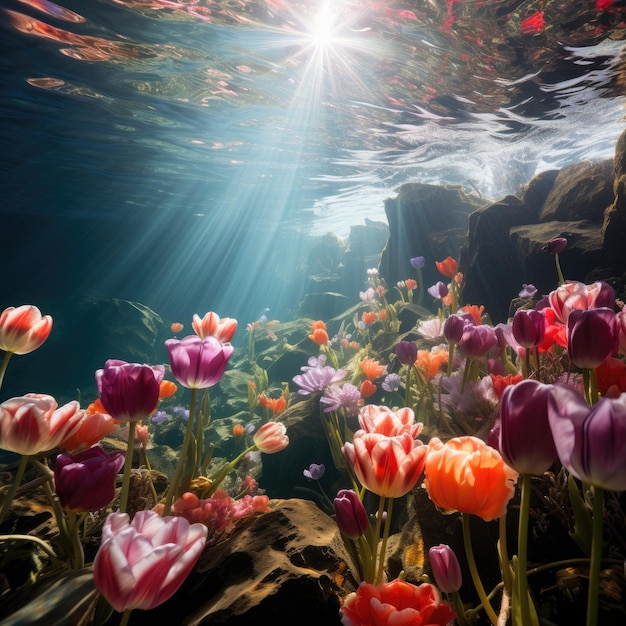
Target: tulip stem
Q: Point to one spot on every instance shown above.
(8, 496)
(45, 546)
(184, 455)
(5, 364)
(383, 548)
(596, 557)
(371, 578)
(521, 578)
(503, 555)
(558, 269)
(128, 462)
(471, 561)
(125, 617)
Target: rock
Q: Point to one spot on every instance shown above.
(424, 220)
(279, 568)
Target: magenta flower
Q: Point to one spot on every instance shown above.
(86, 481)
(592, 336)
(142, 564)
(556, 245)
(528, 327)
(454, 326)
(445, 567)
(198, 363)
(351, 516)
(477, 340)
(522, 432)
(590, 441)
(129, 391)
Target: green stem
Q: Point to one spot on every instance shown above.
(371, 578)
(31, 538)
(407, 389)
(593, 387)
(78, 555)
(184, 453)
(128, 463)
(8, 497)
(420, 286)
(383, 548)
(471, 561)
(5, 364)
(227, 469)
(125, 617)
(521, 580)
(596, 557)
(460, 610)
(503, 554)
(558, 269)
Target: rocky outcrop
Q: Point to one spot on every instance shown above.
(424, 220)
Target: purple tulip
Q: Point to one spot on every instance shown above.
(528, 327)
(445, 567)
(129, 391)
(86, 481)
(418, 262)
(477, 340)
(592, 336)
(439, 290)
(454, 326)
(556, 245)
(198, 363)
(522, 432)
(351, 516)
(406, 352)
(590, 441)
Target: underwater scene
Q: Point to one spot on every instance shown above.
(313, 312)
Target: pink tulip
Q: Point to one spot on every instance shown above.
(382, 420)
(212, 326)
(198, 363)
(387, 466)
(86, 481)
(23, 329)
(32, 423)
(271, 437)
(142, 564)
(129, 391)
(575, 295)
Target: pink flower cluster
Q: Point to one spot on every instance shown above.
(220, 511)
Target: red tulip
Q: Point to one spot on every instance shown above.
(142, 564)
(397, 603)
(32, 423)
(23, 329)
(86, 481)
(448, 267)
(387, 466)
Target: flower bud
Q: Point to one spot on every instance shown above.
(445, 567)
(351, 515)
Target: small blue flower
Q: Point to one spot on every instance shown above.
(182, 412)
(159, 417)
(418, 262)
(391, 382)
(528, 291)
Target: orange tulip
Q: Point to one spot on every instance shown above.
(372, 368)
(319, 324)
(448, 267)
(367, 389)
(410, 283)
(467, 475)
(91, 428)
(475, 311)
(176, 327)
(382, 315)
(212, 326)
(238, 430)
(387, 466)
(428, 363)
(319, 336)
(276, 405)
(368, 318)
(167, 389)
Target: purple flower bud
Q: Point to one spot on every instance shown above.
(351, 516)
(528, 327)
(477, 340)
(556, 245)
(592, 336)
(418, 262)
(315, 471)
(528, 291)
(406, 352)
(438, 290)
(454, 326)
(445, 567)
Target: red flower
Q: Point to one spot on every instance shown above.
(448, 267)
(500, 383)
(398, 603)
(534, 24)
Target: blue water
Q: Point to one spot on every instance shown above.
(198, 145)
